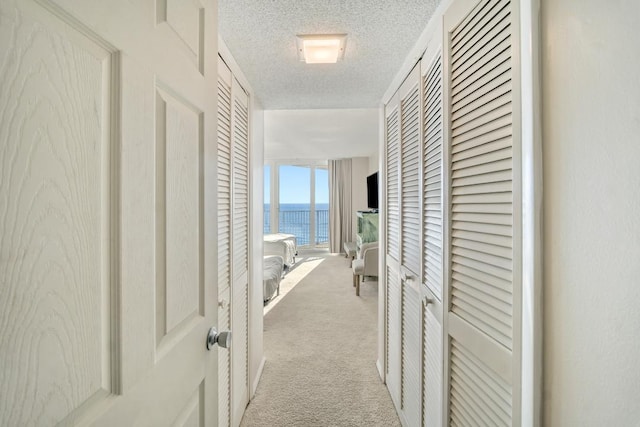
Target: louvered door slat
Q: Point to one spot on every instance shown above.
(432, 148)
(393, 199)
(488, 78)
(483, 247)
(410, 154)
(481, 213)
(491, 320)
(478, 389)
(482, 218)
(483, 267)
(486, 29)
(499, 288)
(476, 386)
(489, 110)
(240, 189)
(486, 123)
(488, 229)
(394, 301)
(467, 394)
(432, 370)
(239, 350)
(431, 131)
(486, 281)
(493, 181)
(497, 299)
(490, 102)
(501, 145)
(432, 87)
(224, 179)
(495, 240)
(498, 198)
(477, 139)
(459, 416)
(470, 61)
(491, 73)
(482, 189)
(469, 22)
(498, 391)
(411, 352)
(489, 131)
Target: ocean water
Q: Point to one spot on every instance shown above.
(295, 218)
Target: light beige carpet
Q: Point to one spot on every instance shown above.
(320, 342)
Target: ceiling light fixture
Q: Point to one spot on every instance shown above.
(321, 49)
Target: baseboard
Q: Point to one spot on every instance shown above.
(380, 371)
(256, 380)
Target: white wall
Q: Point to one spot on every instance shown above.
(320, 134)
(359, 169)
(591, 143)
(374, 165)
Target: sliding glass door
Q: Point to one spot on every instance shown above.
(294, 204)
(297, 202)
(267, 199)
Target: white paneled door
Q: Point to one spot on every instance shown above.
(108, 212)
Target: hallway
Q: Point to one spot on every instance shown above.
(320, 343)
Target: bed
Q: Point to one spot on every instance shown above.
(272, 274)
(283, 245)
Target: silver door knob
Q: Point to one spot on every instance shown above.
(426, 301)
(223, 339)
(404, 276)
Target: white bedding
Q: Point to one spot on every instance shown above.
(283, 245)
(272, 274)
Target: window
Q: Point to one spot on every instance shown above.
(267, 199)
(297, 202)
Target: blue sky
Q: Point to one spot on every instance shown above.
(295, 185)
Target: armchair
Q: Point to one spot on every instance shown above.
(366, 264)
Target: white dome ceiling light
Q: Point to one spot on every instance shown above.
(321, 49)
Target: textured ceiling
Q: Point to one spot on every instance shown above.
(261, 35)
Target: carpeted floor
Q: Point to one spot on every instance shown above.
(320, 342)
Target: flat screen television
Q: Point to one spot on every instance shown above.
(372, 191)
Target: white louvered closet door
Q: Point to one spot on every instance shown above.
(484, 224)
(240, 251)
(410, 242)
(392, 249)
(432, 329)
(224, 238)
